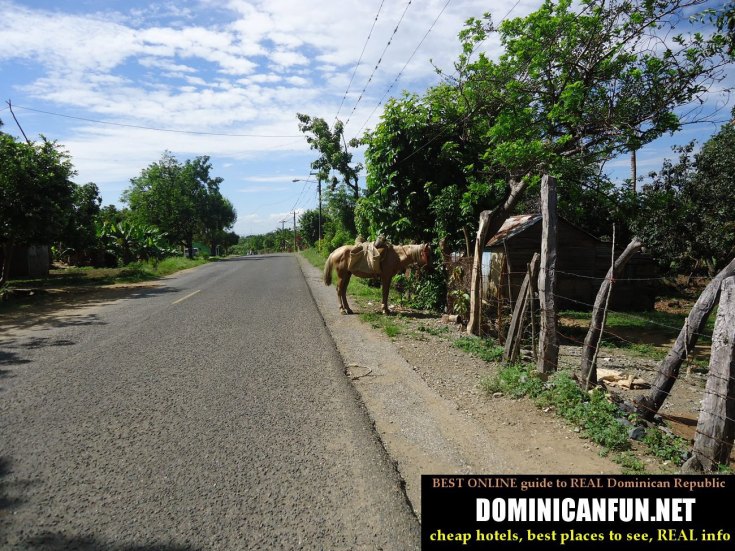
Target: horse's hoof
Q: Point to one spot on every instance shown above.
(349, 311)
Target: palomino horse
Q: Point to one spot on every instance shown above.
(395, 259)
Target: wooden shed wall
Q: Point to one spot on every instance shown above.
(582, 263)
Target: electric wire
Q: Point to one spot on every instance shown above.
(400, 73)
(354, 71)
(141, 127)
(380, 59)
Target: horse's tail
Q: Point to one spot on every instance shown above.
(328, 271)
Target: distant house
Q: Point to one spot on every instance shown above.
(582, 262)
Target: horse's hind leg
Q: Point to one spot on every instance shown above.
(343, 297)
(385, 288)
(338, 287)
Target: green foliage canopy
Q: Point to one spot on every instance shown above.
(574, 87)
(182, 200)
(36, 193)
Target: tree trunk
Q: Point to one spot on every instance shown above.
(668, 371)
(490, 223)
(634, 171)
(588, 368)
(716, 425)
(8, 249)
(548, 357)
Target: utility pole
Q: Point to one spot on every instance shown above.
(294, 232)
(283, 229)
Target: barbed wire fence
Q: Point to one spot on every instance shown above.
(630, 331)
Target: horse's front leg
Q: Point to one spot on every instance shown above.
(385, 284)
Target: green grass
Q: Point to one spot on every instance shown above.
(664, 322)
(629, 463)
(666, 446)
(380, 321)
(315, 257)
(591, 412)
(485, 349)
(435, 331)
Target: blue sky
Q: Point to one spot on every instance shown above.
(225, 78)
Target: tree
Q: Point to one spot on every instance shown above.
(335, 159)
(424, 174)
(574, 89)
(334, 155)
(218, 215)
(35, 194)
(129, 241)
(79, 236)
(309, 226)
(177, 198)
(682, 217)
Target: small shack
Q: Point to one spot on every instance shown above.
(29, 261)
(581, 265)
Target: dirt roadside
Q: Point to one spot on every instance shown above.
(423, 397)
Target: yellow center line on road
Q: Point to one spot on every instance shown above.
(187, 296)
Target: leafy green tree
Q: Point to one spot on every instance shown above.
(218, 215)
(335, 156)
(424, 172)
(574, 88)
(35, 194)
(130, 241)
(335, 168)
(177, 198)
(685, 217)
(309, 226)
(79, 237)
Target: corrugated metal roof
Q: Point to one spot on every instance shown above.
(513, 226)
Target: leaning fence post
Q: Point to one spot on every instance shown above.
(548, 357)
(588, 366)
(668, 371)
(515, 331)
(716, 425)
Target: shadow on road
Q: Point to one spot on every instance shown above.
(62, 542)
(61, 308)
(9, 490)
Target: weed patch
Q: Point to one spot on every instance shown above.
(485, 349)
(666, 446)
(591, 412)
(381, 321)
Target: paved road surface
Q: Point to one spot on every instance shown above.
(211, 412)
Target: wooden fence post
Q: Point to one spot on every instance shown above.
(668, 371)
(588, 368)
(716, 426)
(548, 357)
(525, 296)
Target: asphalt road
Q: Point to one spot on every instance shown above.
(211, 412)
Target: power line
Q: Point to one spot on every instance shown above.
(360, 59)
(395, 81)
(140, 127)
(380, 59)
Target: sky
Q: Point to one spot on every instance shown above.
(119, 82)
